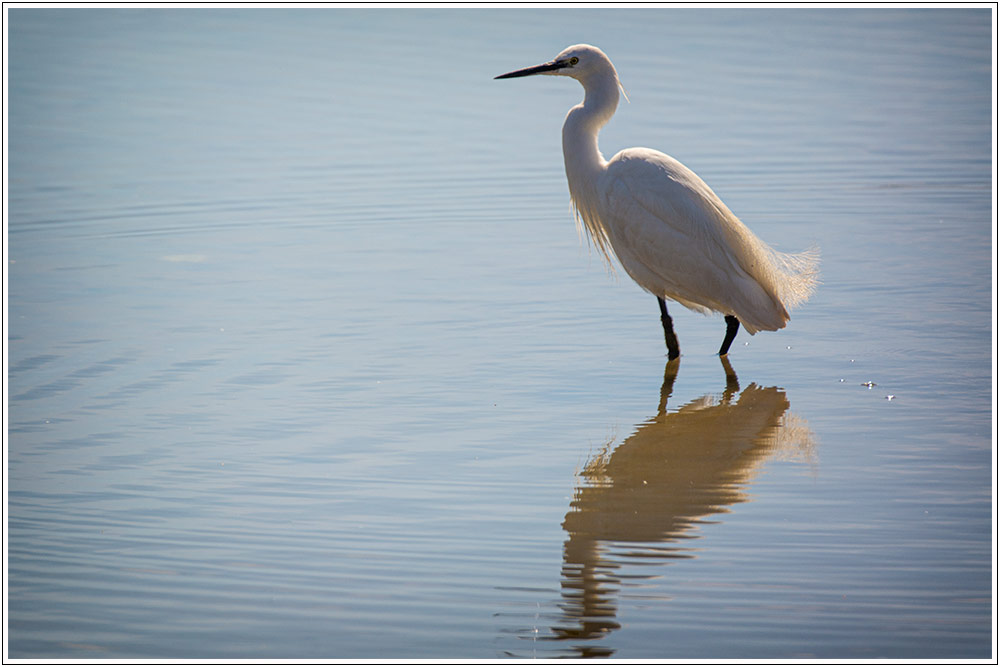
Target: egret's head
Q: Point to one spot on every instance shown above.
(581, 62)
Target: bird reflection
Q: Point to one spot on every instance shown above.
(643, 499)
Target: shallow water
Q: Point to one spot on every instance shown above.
(307, 361)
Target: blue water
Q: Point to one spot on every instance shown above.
(306, 360)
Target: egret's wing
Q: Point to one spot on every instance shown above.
(667, 225)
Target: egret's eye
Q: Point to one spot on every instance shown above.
(574, 60)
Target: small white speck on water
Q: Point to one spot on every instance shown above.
(890, 397)
(869, 384)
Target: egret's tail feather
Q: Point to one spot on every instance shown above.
(800, 275)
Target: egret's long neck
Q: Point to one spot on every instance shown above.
(583, 123)
(584, 162)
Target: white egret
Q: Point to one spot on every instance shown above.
(669, 231)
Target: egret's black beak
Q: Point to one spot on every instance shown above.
(537, 69)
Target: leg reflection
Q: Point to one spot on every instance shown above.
(669, 376)
(732, 382)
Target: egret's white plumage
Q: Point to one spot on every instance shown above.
(669, 231)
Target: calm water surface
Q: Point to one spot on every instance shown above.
(307, 361)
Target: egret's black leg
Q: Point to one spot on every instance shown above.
(732, 326)
(673, 349)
